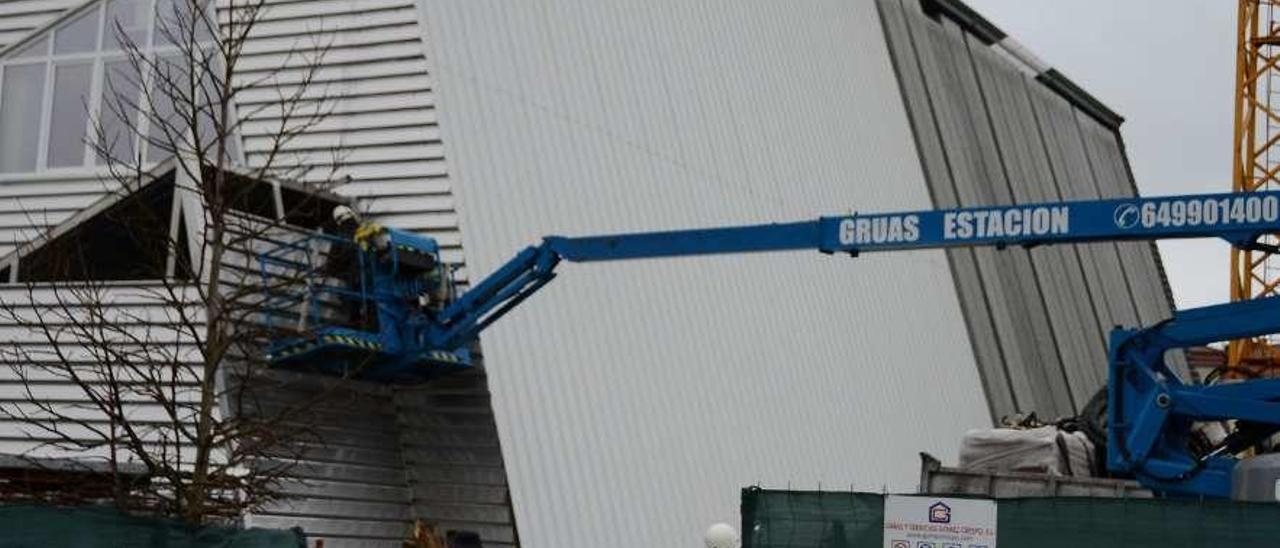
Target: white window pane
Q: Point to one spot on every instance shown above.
(175, 22)
(20, 106)
(210, 111)
(79, 35)
(167, 132)
(126, 22)
(70, 116)
(118, 116)
(39, 48)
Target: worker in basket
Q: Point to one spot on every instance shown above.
(415, 266)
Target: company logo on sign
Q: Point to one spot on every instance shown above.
(939, 513)
(1126, 216)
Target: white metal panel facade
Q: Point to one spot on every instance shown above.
(635, 399)
(430, 452)
(33, 203)
(356, 488)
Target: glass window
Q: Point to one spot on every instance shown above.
(92, 86)
(21, 98)
(208, 105)
(70, 114)
(78, 36)
(126, 22)
(120, 97)
(160, 144)
(174, 21)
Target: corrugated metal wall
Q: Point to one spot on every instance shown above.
(425, 452)
(33, 203)
(989, 133)
(456, 475)
(350, 486)
(635, 399)
(135, 308)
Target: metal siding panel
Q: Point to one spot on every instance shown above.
(452, 455)
(1112, 178)
(1081, 346)
(29, 205)
(974, 167)
(933, 159)
(634, 400)
(378, 76)
(1017, 272)
(135, 304)
(350, 488)
(1141, 259)
(1074, 179)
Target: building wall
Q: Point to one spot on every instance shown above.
(990, 133)
(634, 400)
(456, 473)
(427, 452)
(33, 203)
(355, 487)
(637, 398)
(30, 316)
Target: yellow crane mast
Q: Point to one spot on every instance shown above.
(1256, 165)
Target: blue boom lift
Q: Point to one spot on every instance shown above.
(415, 326)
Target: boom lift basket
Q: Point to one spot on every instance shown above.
(357, 309)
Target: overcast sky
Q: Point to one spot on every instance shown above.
(1168, 68)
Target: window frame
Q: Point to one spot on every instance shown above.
(99, 59)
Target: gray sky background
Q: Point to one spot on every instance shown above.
(1168, 67)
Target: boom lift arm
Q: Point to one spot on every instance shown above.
(1237, 219)
(1150, 410)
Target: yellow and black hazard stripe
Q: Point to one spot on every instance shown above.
(442, 356)
(352, 341)
(292, 350)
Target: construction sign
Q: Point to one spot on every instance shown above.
(935, 522)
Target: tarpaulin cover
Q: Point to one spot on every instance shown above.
(101, 527)
(807, 519)
(1043, 450)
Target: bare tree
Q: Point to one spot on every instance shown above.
(169, 368)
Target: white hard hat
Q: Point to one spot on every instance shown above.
(722, 535)
(343, 213)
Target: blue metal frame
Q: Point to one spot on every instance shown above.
(1238, 218)
(397, 352)
(1151, 409)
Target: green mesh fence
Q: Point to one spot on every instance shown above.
(43, 527)
(807, 519)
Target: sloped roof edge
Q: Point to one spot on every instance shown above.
(990, 34)
(109, 198)
(112, 197)
(47, 26)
